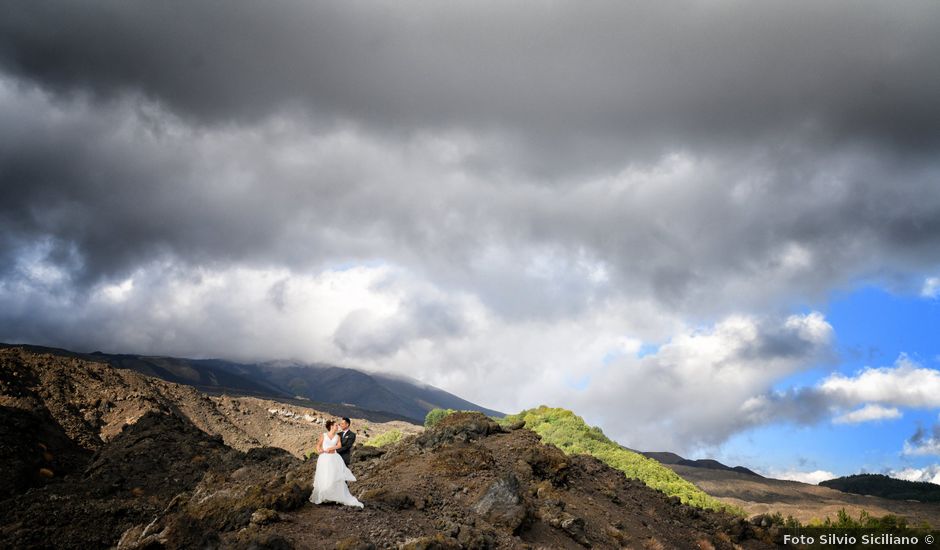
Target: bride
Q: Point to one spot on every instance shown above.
(329, 481)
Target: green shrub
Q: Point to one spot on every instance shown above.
(569, 432)
(387, 438)
(888, 522)
(436, 415)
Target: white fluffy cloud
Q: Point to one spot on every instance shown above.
(929, 473)
(928, 446)
(868, 413)
(692, 391)
(873, 393)
(812, 478)
(931, 288)
(906, 383)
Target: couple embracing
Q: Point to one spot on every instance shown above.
(329, 481)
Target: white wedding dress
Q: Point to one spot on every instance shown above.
(329, 481)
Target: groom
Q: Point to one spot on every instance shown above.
(346, 440)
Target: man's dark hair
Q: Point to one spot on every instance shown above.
(347, 420)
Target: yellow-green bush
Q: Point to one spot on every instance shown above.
(569, 432)
(387, 438)
(436, 415)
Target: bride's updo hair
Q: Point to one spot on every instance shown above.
(329, 424)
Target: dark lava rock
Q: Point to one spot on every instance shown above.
(547, 463)
(264, 516)
(462, 459)
(354, 543)
(502, 503)
(361, 453)
(436, 542)
(128, 481)
(461, 426)
(395, 499)
(34, 451)
(261, 541)
(517, 425)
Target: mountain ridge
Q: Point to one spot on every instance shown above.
(670, 458)
(320, 383)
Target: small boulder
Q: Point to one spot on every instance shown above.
(264, 516)
(400, 501)
(354, 543)
(502, 503)
(461, 426)
(362, 453)
(517, 425)
(547, 462)
(436, 542)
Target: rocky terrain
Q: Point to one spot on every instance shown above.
(466, 483)
(103, 457)
(92, 402)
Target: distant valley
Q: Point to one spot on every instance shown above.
(805, 502)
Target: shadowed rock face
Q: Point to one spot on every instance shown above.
(127, 481)
(162, 482)
(34, 451)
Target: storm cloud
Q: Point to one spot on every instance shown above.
(486, 195)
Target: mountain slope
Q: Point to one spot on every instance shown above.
(320, 383)
(668, 458)
(885, 487)
(91, 402)
(572, 435)
(428, 397)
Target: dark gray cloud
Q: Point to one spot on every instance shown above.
(770, 98)
(918, 436)
(625, 170)
(112, 185)
(572, 85)
(364, 334)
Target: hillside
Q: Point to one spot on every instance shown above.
(405, 397)
(758, 495)
(885, 487)
(572, 435)
(102, 457)
(92, 402)
(328, 387)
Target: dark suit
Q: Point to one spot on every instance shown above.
(346, 441)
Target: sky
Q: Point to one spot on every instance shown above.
(709, 227)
